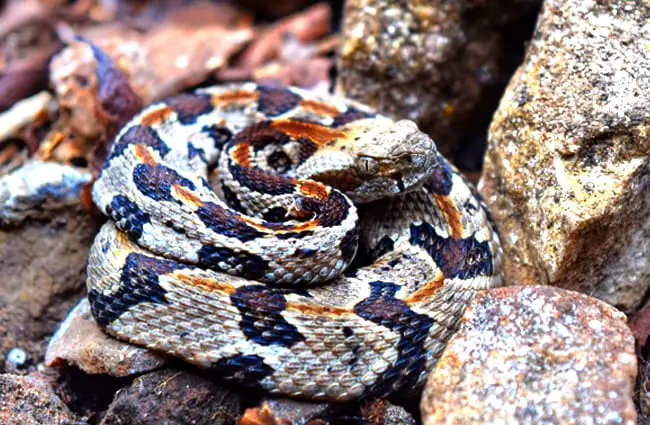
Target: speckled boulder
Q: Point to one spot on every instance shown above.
(533, 355)
(567, 170)
(427, 61)
(28, 400)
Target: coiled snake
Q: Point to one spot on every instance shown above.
(256, 292)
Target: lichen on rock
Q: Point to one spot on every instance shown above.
(533, 355)
(567, 169)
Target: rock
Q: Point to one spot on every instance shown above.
(95, 97)
(44, 241)
(284, 411)
(171, 397)
(427, 61)
(80, 342)
(535, 354)
(27, 400)
(566, 172)
(38, 190)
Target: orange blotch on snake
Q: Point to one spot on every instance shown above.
(124, 243)
(281, 227)
(452, 215)
(187, 195)
(314, 189)
(301, 227)
(316, 133)
(241, 154)
(428, 290)
(156, 116)
(144, 154)
(234, 97)
(318, 310)
(207, 284)
(319, 108)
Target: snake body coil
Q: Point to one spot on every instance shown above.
(253, 288)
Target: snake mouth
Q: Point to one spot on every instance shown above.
(413, 171)
(400, 184)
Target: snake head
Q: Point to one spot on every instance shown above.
(389, 158)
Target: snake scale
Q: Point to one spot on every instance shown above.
(248, 276)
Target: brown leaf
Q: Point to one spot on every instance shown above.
(206, 13)
(27, 42)
(306, 26)
(305, 73)
(181, 51)
(24, 77)
(181, 57)
(114, 91)
(96, 99)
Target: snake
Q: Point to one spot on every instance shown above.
(299, 243)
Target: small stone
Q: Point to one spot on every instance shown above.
(566, 171)
(382, 412)
(173, 397)
(27, 400)
(397, 415)
(532, 355)
(80, 342)
(16, 357)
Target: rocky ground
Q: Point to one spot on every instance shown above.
(566, 85)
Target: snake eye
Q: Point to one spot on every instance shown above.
(367, 166)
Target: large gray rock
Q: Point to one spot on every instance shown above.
(567, 172)
(535, 355)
